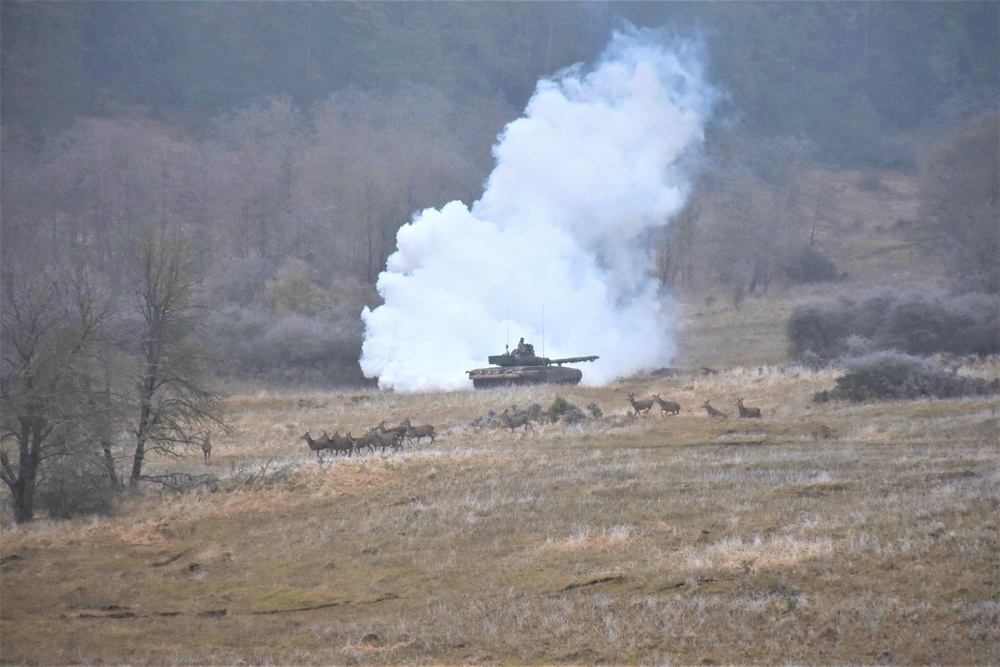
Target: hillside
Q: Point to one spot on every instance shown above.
(821, 533)
(862, 225)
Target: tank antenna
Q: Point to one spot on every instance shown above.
(507, 345)
(543, 330)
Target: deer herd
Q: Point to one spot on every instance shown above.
(380, 438)
(384, 438)
(671, 408)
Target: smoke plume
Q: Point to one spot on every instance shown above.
(556, 250)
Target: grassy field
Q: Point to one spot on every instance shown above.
(823, 533)
(820, 534)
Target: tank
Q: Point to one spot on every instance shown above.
(522, 366)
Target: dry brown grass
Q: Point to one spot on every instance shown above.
(822, 534)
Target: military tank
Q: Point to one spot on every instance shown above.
(522, 366)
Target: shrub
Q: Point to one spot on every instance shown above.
(885, 376)
(76, 485)
(918, 327)
(811, 266)
(563, 410)
(288, 348)
(920, 324)
(815, 332)
(237, 280)
(293, 291)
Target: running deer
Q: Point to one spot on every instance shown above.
(318, 446)
(712, 412)
(643, 405)
(367, 440)
(397, 431)
(667, 407)
(342, 443)
(516, 421)
(418, 432)
(373, 440)
(387, 440)
(747, 413)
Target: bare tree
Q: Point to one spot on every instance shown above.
(50, 331)
(960, 190)
(675, 258)
(174, 402)
(757, 195)
(255, 154)
(96, 190)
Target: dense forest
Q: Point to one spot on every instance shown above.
(841, 74)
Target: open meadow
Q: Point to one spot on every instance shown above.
(833, 533)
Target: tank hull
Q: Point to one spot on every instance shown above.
(484, 378)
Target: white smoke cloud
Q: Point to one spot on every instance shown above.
(556, 247)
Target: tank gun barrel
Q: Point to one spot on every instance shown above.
(573, 360)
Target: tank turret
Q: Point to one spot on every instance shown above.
(522, 366)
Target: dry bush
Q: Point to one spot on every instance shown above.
(808, 265)
(77, 485)
(885, 376)
(919, 324)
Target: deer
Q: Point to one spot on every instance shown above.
(206, 448)
(643, 405)
(367, 440)
(398, 431)
(374, 438)
(712, 412)
(667, 407)
(747, 413)
(388, 439)
(318, 446)
(516, 421)
(418, 431)
(342, 443)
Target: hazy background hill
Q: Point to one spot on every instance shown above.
(841, 75)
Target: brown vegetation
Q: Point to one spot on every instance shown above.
(829, 533)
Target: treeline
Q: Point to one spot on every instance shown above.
(329, 185)
(291, 212)
(847, 76)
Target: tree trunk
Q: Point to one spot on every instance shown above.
(109, 465)
(140, 454)
(22, 484)
(140, 443)
(146, 421)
